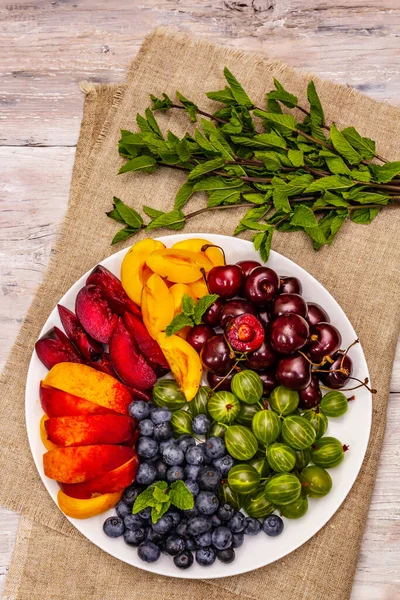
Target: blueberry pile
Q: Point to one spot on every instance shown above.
(212, 528)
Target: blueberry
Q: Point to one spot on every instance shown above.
(146, 427)
(166, 443)
(174, 544)
(133, 522)
(209, 478)
(201, 424)
(148, 552)
(237, 539)
(161, 469)
(199, 524)
(221, 538)
(134, 537)
(192, 487)
(216, 521)
(273, 525)
(175, 473)
(181, 529)
(184, 560)
(154, 537)
(225, 512)
(191, 512)
(163, 525)
(131, 493)
(226, 556)
(190, 543)
(113, 527)
(206, 460)
(204, 539)
(163, 431)
(237, 523)
(122, 509)
(185, 441)
(214, 447)
(207, 503)
(146, 447)
(205, 556)
(192, 472)
(173, 456)
(253, 526)
(160, 415)
(175, 516)
(194, 455)
(146, 474)
(139, 409)
(224, 464)
(145, 513)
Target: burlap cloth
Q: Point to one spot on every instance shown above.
(361, 269)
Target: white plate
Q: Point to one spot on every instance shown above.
(352, 429)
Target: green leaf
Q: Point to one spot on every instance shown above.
(218, 197)
(262, 242)
(203, 142)
(343, 147)
(364, 176)
(271, 160)
(358, 195)
(330, 224)
(187, 305)
(183, 150)
(329, 199)
(180, 496)
(363, 145)
(335, 163)
(385, 173)
(217, 183)
(145, 163)
(273, 106)
(235, 125)
(130, 216)
(296, 157)
(160, 495)
(261, 140)
(144, 126)
(331, 182)
(133, 139)
(190, 106)
(153, 122)
(114, 214)
(172, 220)
(364, 216)
(184, 194)
(225, 96)
(303, 217)
(158, 511)
(207, 167)
(316, 110)
(296, 185)
(255, 198)
(152, 212)
(142, 501)
(281, 201)
(282, 95)
(202, 305)
(284, 123)
(237, 90)
(123, 234)
(161, 104)
(316, 234)
(178, 322)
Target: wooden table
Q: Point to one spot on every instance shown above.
(48, 47)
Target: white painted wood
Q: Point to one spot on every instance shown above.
(48, 47)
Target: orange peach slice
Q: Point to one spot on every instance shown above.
(178, 290)
(184, 362)
(199, 288)
(43, 434)
(214, 254)
(84, 509)
(86, 430)
(179, 266)
(89, 384)
(134, 272)
(56, 403)
(157, 306)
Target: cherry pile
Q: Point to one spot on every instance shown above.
(261, 322)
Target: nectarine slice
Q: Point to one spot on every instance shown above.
(178, 290)
(80, 463)
(214, 254)
(179, 266)
(95, 314)
(134, 272)
(157, 305)
(43, 434)
(91, 385)
(199, 288)
(57, 403)
(85, 430)
(84, 509)
(184, 362)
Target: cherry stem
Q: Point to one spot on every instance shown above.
(362, 384)
(321, 364)
(357, 341)
(242, 357)
(204, 248)
(203, 272)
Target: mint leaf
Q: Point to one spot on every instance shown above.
(237, 90)
(178, 322)
(343, 147)
(205, 167)
(316, 110)
(161, 104)
(261, 140)
(152, 212)
(202, 305)
(282, 95)
(180, 496)
(143, 124)
(172, 220)
(142, 501)
(363, 145)
(187, 305)
(285, 124)
(114, 214)
(160, 495)
(255, 198)
(190, 106)
(331, 182)
(330, 199)
(130, 216)
(296, 157)
(335, 163)
(123, 234)
(145, 163)
(303, 217)
(281, 201)
(364, 216)
(159, 510)
(262, 242)
(183, 150)
(184, 194)
(296, 185)
(153, 123)
(385, 173)
(225, 96)
(220, 196)
(217, 183)
(366, 197)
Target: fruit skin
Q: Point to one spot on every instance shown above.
(178, 266)
(113, 291)
(297, 432)
(283, 488)
(213, 254)
(327, 452)
(247, 386)
(226, 281)
(286, 304)
(283, 400)
(303, 458)
(281, 457)
(243, 478)
(260, 464)
(198, 335)
(128, 361)
(220, 382)
(227, 496)
(316, 314)
(316, 481)
(56, 403)
(182, 422)
(289, 333)
(337, 380)
(215, 355)
(133, 267)
(268, 378)
(48, 444)
(95, 314)
(234, 308)
(311, 395)
(112, 481)
(334, 404)
(80, 463)
(266, 426)
(54, 347)
(325, 340)
(290, 285)
(296, 509)
(294, 372)
(84, 509)
(211, 316)
(240, 442)
(89, 347)
(184, 362)
(167, 393)
(256, 504)
(273, 525)
(157, 306)
(262, 358)
(246, 414)
(85, 430)
(199, 288)
(147, 345)
(245, 333)
(261, 286)
(89, 384)
(318, 420)
(247, 266)
(199, 404)
(103, 364)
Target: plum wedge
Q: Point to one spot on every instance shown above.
(89, 347)
(149, 347)
(113, 291)
(54, 347)
(95, 314)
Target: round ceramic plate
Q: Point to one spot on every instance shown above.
(353, 429)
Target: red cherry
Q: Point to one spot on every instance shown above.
(262, 286)
(211, 316)
(289, 333)
(245, 333)
(214, 381)
(226, 281)
(247, 266)
(234, 308)
(262, 358)
(265, 319)
(268, 377)
(325, 340)
(311, 395)
(290, 285)
(337, 380)
(198, 336)
(316, 314)
(294, 372)
(215, 355)
(289, 303)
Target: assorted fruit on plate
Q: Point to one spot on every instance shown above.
(192, 469)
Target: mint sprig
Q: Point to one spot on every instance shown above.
(191, 313)
(160, 497)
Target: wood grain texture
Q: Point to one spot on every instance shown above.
(48, 47)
